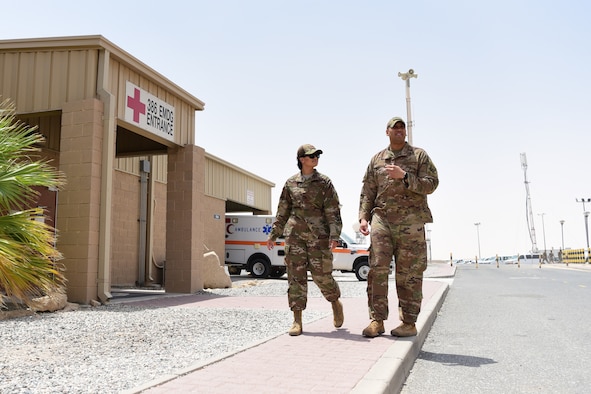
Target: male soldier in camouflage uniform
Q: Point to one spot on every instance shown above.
(309, 216)
(394, 200)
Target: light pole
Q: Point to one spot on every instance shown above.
(406, 77)
(587, 227)
(562, 232)
(586, 213)
(543, 230)
(478, 235)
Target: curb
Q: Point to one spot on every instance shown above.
(390, 372)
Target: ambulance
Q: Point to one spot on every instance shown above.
(246, 249)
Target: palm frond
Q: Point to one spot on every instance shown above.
(28, 258)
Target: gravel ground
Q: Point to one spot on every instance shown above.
(116, 347)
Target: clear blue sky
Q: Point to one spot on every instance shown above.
(495, 79)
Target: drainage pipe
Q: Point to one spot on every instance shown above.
(108, 156)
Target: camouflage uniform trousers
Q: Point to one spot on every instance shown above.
(315, 256)
(407, 244)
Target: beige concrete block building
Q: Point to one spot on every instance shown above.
(143, 202)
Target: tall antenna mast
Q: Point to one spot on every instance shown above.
(530, 215)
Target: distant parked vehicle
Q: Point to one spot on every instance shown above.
(488, 260)
(493, 259)
(524, 259)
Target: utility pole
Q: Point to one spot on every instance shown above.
(543, 229)
(586, 213)
(478, 235)
(406, 77)
(562, 232)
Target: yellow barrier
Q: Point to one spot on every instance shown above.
(575, 256)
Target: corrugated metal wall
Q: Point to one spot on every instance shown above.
(226, 181)
(40, 81)
(49, 125)
(222, 180)
(131, 165)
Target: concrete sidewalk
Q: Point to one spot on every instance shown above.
(322, 359)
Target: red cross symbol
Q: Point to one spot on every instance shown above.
(136, 105)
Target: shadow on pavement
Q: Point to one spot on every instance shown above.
(456, 359)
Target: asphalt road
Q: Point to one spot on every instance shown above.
(509, 330)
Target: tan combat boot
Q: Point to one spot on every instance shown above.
(375, 328)
(296, 328)
(404, 330)
(337, 312)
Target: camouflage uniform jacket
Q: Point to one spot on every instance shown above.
(308, 208)
(395, 200)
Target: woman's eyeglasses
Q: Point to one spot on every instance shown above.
(313, 155)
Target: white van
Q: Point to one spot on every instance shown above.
(246, 249)
(524, 259)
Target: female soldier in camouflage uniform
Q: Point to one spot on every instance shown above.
(309, 217)
(394, 199)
